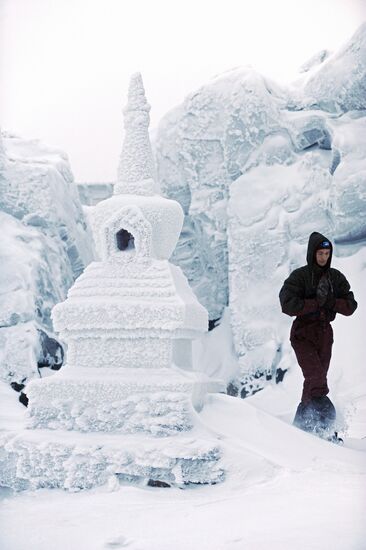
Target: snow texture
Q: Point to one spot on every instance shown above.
(339, 84)
(36, 460)
(258, 167)
(136, 178)
(154, 401)
(45, 244)
(120, 320)
(92, 193)
(315, 60)
(154, 222)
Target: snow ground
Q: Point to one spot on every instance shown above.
(312, 501)
(284, 489)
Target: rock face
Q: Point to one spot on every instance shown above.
(257, 168)
(129, 321)
(45, 244)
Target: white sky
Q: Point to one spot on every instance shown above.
(65, 64)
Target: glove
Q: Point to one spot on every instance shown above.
(330, 301)
(322, 291)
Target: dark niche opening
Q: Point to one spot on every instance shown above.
(125, 241)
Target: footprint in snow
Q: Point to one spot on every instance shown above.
(117, 542)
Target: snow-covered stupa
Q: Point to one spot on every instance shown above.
(122, 406)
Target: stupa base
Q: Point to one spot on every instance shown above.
(156, 402)
(36, 459)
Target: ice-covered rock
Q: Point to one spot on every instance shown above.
(202, 146)
(2, 156)
(315, 60)
(272, 210)
(348, 192)
(38, 189)
(339, 84)
(258, 167)
(44, 245)
(92, 193)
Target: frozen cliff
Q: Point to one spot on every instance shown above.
(45, 245)
(257, 167)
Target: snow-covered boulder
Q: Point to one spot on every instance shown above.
(258, 167)
(202, 146)
(348, 192)
(339, 84)
(38, 188)
(92, 193)
(45, 244)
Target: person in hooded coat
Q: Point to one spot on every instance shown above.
(315, 293)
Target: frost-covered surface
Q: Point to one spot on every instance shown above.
(258, 167)
(117, 348)
(202, 147)
(267, 239)
(315, 60)
(44, 246)
(136, 178)
(37, 188)
(157, 402)
(92, 193)
(154, 222)
(121, 319)
(348, 193)
(339, 84)
(37, 460)
(272, 210)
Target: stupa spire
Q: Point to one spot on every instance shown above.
(136, 166)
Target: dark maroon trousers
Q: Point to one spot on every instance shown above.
(312, 343)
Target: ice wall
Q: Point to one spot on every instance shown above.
(92, 193)
(202, 147)
(258, 167)
(44, 245)
(339, 85)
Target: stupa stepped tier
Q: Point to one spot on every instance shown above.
(125, 405)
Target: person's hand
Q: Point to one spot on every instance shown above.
(330, 301)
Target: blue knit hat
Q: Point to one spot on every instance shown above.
(323, 244)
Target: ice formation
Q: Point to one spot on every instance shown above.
(339, 85)
(129, 321)
(257, 167)
(44, 245)
(92, 193)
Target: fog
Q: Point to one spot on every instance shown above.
(65, 64)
